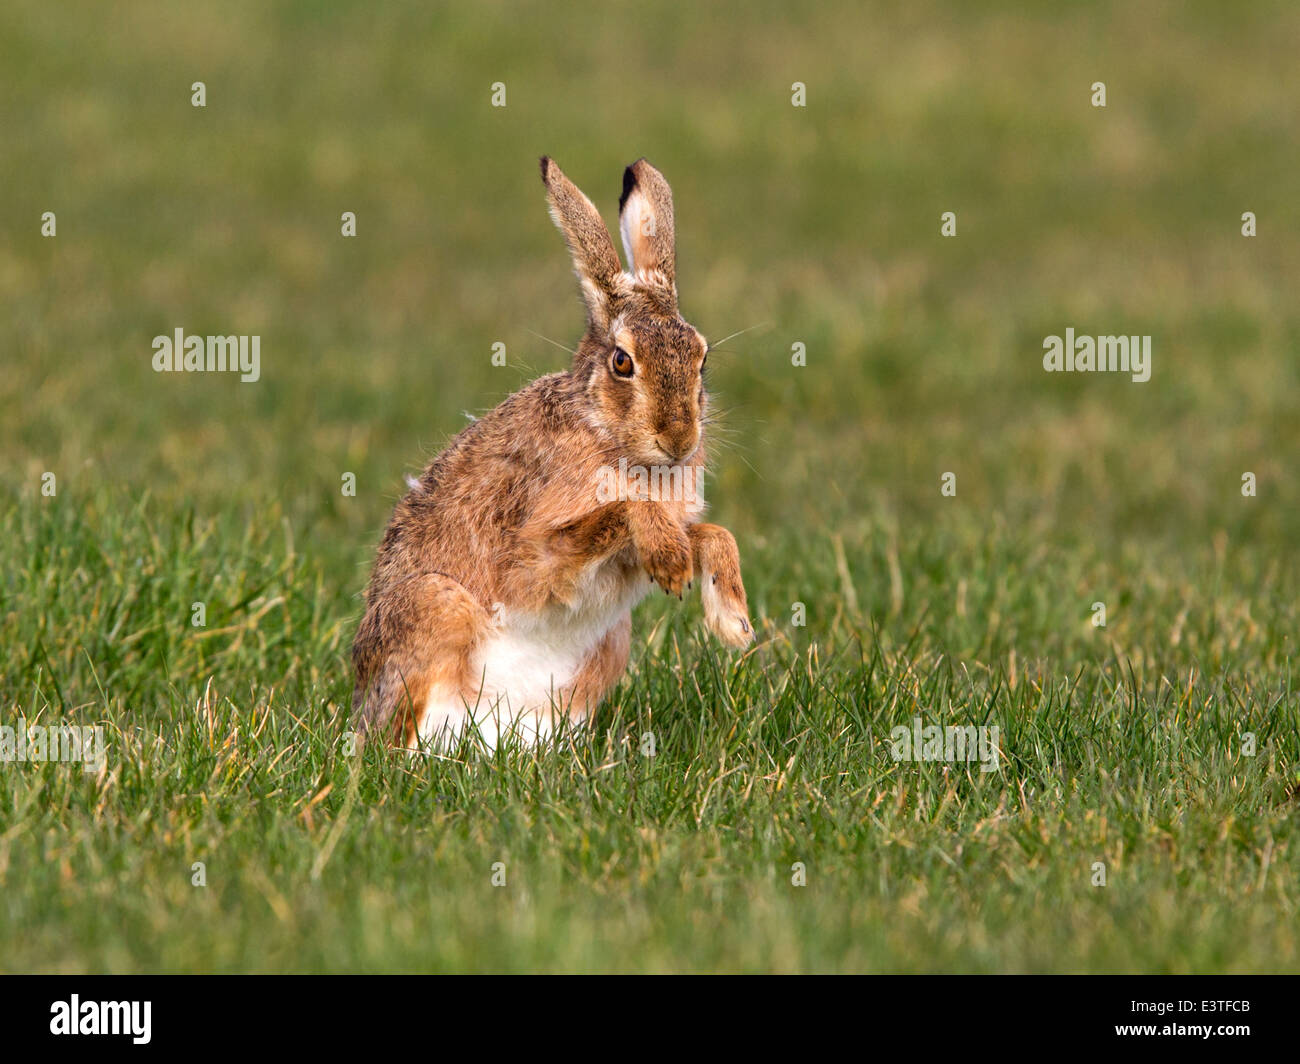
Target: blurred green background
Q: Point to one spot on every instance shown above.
(821, 223)
(817, 225)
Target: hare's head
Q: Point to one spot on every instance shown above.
(641, 363)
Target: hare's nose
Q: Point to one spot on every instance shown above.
(678, 442)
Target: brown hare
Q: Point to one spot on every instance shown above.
(502, 594)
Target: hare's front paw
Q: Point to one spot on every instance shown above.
(725, 610)
(668, 563)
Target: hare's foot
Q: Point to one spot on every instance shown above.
(717, 561)
(663, 546)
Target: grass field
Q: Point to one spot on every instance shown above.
(1125, 745)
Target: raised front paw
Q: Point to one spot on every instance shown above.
(726, 612)
(669, 563)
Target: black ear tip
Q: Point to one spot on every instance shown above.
(545, 165)
(629, 183)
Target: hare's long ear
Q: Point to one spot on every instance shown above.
(594, 259)
(645, 219)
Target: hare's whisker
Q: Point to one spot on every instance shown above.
(719, 343)
(555, 343)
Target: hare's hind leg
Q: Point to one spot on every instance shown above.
(420, 643)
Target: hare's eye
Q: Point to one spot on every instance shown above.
(621, 363)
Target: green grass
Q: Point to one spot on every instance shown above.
(1121, 745)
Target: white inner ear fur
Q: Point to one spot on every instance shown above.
(635, 224)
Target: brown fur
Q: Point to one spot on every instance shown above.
(508, 515)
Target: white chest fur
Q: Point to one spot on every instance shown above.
(529, 658)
